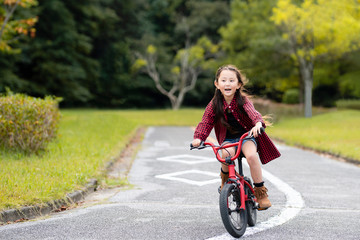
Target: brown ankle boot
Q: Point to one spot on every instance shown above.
(262, 198)
(224, 178)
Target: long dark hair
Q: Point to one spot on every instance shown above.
(218, 99)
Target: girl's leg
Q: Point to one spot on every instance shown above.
(224, 174)
(249, 150)
(224, 154)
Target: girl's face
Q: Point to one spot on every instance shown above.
(228, 84)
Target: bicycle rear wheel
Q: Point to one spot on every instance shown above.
(234, 218)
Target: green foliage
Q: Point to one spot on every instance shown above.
(13, 28)
(252, 42)
(319, 27)
(84, 50)
(62, 54)
(27, 124)
(348, 104)
(206, 17)
(291, 96)
(80, 53)
(349, 85)
(325, 95)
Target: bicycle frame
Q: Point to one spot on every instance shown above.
(229, 200)
(240, 182)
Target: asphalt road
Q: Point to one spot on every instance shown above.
(174, 196)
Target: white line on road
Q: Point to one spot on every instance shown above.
(174, 177)
(294, 204)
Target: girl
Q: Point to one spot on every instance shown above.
(232, 114)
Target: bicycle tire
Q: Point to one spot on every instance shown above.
(250, 206)
(234, 218)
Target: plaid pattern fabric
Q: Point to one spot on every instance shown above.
(266, 148)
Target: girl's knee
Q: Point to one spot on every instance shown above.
(252, 159)
(226, 153)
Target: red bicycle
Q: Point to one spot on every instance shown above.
(238, 206)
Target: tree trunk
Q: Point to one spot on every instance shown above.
(306, 69)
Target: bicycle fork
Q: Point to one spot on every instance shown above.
(238, 182)
(240, 185)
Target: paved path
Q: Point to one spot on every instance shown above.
(174, 196)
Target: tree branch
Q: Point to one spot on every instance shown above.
(7, 18)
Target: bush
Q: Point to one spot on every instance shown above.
(291, 96)
(325, 95)
(348, 104)
(28, 124)
(349, 85)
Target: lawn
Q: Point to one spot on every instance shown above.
(335, 132)
(88, 139)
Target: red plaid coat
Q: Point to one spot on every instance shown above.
(266, 148)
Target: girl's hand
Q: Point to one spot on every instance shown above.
(255, 131)
(196, 142)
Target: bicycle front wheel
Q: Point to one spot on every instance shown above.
(250, 205)
(234, 218)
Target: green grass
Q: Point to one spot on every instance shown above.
(182, 117)
(88, 139)
(335, 132)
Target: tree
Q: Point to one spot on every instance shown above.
(180, 44)
(12, 29)
(187, 65)
(314, 29)
(253, 43)
(58, 60)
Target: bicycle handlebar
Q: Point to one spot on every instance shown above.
(217, 148)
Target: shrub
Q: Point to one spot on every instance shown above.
(291, 96)
(325, 95)
(349, 85)
(348, 104)
(28, 124)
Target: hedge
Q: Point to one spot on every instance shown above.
(27, 124)
(348, 104)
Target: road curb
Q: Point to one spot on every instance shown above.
(31, 212)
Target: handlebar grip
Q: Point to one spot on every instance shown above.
(201, 146)
(262, 129)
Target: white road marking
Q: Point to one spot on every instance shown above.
(294, 204)
(174, 177)
(187, 159)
